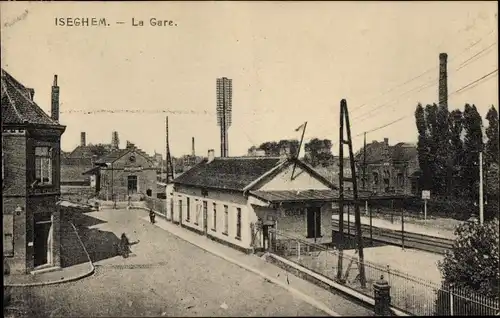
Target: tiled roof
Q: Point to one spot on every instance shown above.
(112, 156)
(233, 173)
(81, 152)
(18, 106)
(288, 196)
(74, 172)
(400, 152)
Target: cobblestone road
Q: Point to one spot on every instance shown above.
(164, 276)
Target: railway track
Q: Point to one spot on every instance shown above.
(411, 240)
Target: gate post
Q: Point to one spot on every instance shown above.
(382, 297)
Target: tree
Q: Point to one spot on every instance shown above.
(491, 151)
(471, 265)
(456, 150)
(270, 148)
(319, 152)
(98, 150)
(432, 144)
(473, 144)
(442, 160)
(423, 148)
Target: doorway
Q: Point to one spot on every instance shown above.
(132, 184)
(42, 242)
(313, 222)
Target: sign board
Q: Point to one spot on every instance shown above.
(132, 169)
(426, 194)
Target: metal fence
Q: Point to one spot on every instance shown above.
(408, 293)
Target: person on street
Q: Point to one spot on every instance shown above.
(124, 248)
(151, 216)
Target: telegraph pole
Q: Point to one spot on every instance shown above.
(341, 195)
(169, 169)
(344, 115)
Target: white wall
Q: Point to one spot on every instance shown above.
(232, 200)
(302, 181)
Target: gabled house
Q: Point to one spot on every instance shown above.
(31, 146)
(234, 200)
(125, 173)
(389, 169)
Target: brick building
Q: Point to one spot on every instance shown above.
(125, 172)
(389, 169)
(31, 185)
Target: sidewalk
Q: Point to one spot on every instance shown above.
(330, 303)
(409, 227)
(73, 254)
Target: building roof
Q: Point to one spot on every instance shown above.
(230, 173)
(18, 106)
(290, 196)
(81, 152)
(376, 152)
(118, 153)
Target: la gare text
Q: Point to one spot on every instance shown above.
(103, 22)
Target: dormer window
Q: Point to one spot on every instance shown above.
(131, 159)
(43, 165)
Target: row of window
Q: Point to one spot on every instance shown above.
(204, 207)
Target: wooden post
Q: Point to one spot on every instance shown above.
(403, 228)
(371, 229)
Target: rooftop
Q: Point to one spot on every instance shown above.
(18, 106)
(230, 173)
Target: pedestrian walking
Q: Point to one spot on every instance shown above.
(124, 247)
(151, 216)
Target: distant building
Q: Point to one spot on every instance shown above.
(31, 185)
(389, 169)
(123, 173)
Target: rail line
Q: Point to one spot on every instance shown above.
(417, 241)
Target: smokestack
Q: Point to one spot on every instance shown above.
(83, 141)
(193, 153)
(211, 155)
(32, 93)
(443, 80)
(54, 111)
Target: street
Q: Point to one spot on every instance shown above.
(164, 276)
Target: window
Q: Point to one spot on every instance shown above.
(205, 214)
(226, 220)
(196, 212)
(214, 224)
(238, 223)
(132, 184)
(180, 210)
(172, 206)
(188, 209)
(43, 165)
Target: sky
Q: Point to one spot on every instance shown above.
(290, 62)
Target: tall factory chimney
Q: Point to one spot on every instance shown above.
(54, 110)
(443, 80)
(115, 141)
(83, 139)
(193, 153)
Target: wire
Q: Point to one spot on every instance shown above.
(422, 74)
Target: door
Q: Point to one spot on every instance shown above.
(180, 212)
(313, 222)
(205, 217)
(132, 184)
(41, 242)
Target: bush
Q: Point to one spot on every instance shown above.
(471, 265)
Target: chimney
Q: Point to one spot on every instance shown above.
(115, 141)
(386, 141)
(443, 80)
(193, 153)
(32, 93)
(83, 141)
(211, 155)
(54, 111)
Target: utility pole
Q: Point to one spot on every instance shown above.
(364, 162)
(481, 205)
(344, 115)
(169, 169)
(341, 195)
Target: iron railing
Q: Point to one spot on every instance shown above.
(409, 293)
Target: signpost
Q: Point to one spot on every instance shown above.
(426, 195)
